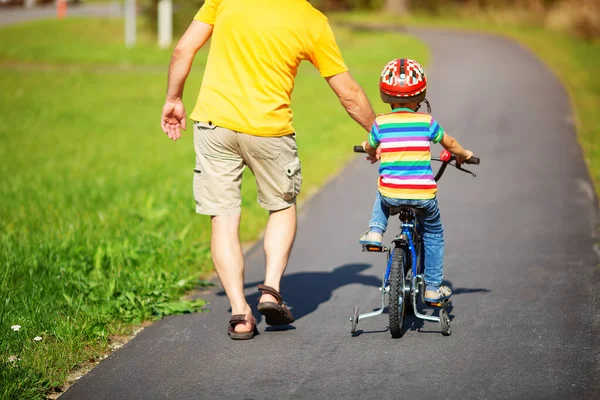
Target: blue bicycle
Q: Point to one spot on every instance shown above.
(403, 281)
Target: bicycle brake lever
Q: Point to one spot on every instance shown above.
(465, 170)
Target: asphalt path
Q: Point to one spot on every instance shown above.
(519, 256)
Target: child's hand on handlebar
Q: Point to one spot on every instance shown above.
(373, 155)
(464, 157)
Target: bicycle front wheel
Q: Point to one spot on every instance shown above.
(396, 296)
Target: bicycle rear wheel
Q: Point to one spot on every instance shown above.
(396, 296)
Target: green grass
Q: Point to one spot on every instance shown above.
(97, 223)
(80, 41)
(575, 62)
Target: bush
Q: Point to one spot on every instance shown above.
(576, 17)
(580, 18)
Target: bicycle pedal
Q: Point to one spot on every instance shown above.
(443, 303)
(377, 249)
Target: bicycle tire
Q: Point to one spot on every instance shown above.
(354, 320)
(445, 323)
(396, 284)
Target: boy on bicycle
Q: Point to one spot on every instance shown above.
(401, 140)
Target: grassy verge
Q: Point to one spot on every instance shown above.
(79, 41)
(575, 62)
(97, 223)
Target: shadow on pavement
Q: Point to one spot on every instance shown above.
(305, 291)
(413, 323)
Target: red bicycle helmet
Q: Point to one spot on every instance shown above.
(403, 81)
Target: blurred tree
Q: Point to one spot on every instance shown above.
(396, 6)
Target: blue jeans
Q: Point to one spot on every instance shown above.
(431, 231)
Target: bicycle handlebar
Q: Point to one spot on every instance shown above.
(445, 162)
(473, 160)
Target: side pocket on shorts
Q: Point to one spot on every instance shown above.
(197, 186)
(294, 174)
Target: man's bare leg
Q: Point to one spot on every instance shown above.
(228, 258)
(279, 238)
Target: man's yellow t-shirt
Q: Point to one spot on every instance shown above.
(255, 51)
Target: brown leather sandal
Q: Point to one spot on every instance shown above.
(275, 313)
(237, 319)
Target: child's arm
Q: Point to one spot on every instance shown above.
(450, 144)
(372, 143)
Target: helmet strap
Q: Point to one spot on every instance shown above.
(428, 106)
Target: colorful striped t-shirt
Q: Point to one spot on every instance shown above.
(405, 165)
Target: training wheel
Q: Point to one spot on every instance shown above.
(445, 322)
(354, 320)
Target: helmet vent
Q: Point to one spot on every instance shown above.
(403, 78)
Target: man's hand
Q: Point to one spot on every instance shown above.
(173, 119)
(464, 157)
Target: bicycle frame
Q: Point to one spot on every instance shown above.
(405, 240)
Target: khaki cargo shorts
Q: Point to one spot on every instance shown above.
(222, 155)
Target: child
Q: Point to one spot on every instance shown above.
(406, 178)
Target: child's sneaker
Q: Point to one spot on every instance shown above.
(371, 238)
(435, 294)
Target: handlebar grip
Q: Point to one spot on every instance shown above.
(473, 160)
(359, 149)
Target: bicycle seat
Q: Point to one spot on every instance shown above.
(397, 210)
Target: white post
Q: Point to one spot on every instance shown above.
(130, 23)
(29, 3)
(165, 23)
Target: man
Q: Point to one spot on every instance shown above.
(243, 118)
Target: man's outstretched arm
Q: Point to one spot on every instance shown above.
(173, 113)
(353, 99)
